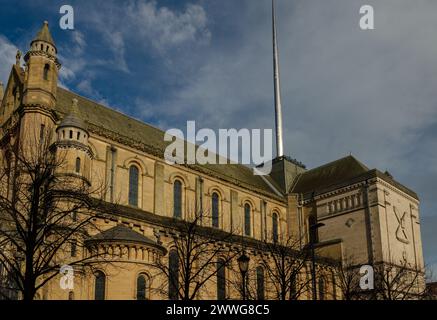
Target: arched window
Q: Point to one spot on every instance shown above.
(321, 289)
(260, 283)
(215, 200)
(221, 280)
(77, 165)
(46, 72)
(142, 284)
(71, 295)
(173, 275)
(133, 186)
(99, 287)
(247, 218)
(293, 287)
(177, 199)
(275, 227)
(42, 133)
(73, 250)
(334, 286)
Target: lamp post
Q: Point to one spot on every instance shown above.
(243, 264)
(313, 229)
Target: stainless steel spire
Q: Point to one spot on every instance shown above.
(277, 87)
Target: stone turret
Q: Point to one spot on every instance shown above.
(42, 66)
(72, 135)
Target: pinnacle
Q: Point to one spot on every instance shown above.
(44, 34)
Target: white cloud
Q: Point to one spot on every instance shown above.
(146, 26)
(72, 57)
(79, 41)
(7, 58)
(164, 28)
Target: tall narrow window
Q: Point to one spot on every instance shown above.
(113, 155)
(73, 248)
(221, 280)
(41, 133)
(247, 218)
(177, 199)
(200, 195)
(321, 289)
(334, 287)
(77, 165)
(142, 287)
(275, 227)
(46, 72)
(293, 287)
(260, 283)
(173, 275)
(133, 186)
(215, 209)
(99, 288)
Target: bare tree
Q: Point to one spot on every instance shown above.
(45, 212)
(285, 266)
(348, 276)
(398, 281)
(196, 256)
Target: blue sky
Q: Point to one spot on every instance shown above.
(344, 90)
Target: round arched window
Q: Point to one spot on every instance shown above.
(142, 287)
(133, 185)
(215, 211)
(100, 286)
(247, 219)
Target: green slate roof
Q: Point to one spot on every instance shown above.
(122, 233)
(329, 174)
(119, 127)
(344, 171)
(73, 119)
(44, 34)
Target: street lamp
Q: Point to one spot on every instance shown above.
(243, 264)
(313, 229)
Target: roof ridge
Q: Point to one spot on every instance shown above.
(363, 166)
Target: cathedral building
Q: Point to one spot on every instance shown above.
(363, 216)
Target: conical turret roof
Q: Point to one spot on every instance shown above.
(44, 35)
(73, 119)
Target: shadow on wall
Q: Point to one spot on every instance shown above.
(429, 239)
